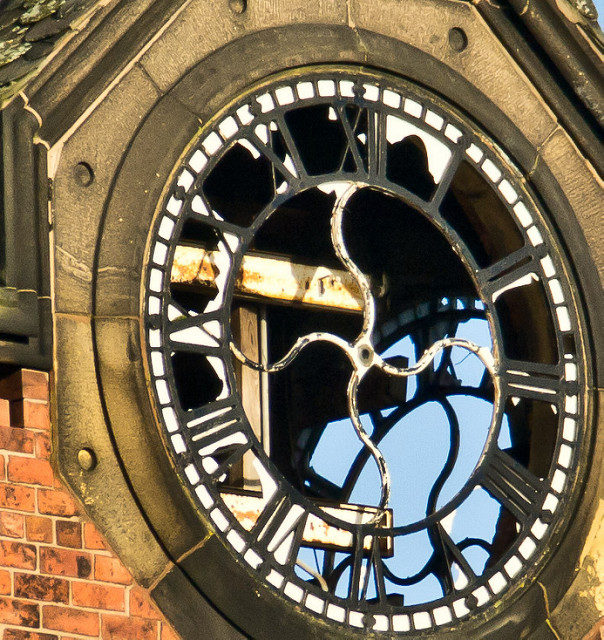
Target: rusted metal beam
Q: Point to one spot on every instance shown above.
(317, 533)
(272, 277)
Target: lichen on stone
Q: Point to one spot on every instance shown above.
(37, 10)
(12, 49)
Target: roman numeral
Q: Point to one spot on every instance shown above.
(201, 333)
(358, 556)
(515, 487)
(184, 321)
(216, 426)
(280, 528)
(239, 446)
(447, 553)
(288, 172)
(367, 564)
(375, 568)
(376, 143)
(443, 186)
(216, 434)
(535, 381)
(519, 268)
(290, 144)
(352, 143)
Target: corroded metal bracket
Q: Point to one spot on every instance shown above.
(274, 278)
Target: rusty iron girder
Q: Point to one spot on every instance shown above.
(272, 277)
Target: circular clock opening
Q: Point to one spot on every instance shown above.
(364, 351)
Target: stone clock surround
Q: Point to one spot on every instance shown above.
(142, 85)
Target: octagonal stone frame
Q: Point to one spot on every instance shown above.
(166, 67)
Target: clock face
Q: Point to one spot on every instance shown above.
(364, 351)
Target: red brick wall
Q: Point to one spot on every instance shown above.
(58, 579)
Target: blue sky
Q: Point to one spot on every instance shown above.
(415, 451)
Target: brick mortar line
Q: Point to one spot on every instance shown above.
(52, 519)
(34, 491)
(100, 612)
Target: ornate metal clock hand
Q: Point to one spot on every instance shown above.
(360, 352)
